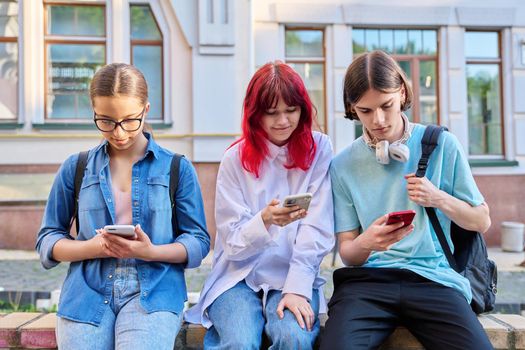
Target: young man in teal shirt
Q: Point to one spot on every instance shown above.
(399, 274)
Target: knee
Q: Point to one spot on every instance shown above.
(242, 343)
(296, 339)
(240, 339)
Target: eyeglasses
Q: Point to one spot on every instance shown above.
(108, 125)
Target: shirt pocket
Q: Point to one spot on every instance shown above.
(158, 193)
(91, 196)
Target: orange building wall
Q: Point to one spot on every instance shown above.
(505, 195)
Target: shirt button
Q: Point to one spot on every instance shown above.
(136, 181)
(110, 276)
(105, 301)
(136, 203)
(109, 200)
(145, 294)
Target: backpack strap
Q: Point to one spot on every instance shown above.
(174, 182)
(79, 175)
(428, 143)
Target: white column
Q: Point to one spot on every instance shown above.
(342, 129)
(457, 85)
(117, 33)
(33, 63)
(266, 37)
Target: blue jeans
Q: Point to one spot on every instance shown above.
(125, 324)
(238, 322)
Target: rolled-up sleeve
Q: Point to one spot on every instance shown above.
(315, 236)
(58, 213)
(190, 216)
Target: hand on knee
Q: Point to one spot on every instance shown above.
(299, 307)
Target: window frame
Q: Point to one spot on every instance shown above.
(150, 42)
(414, 61)
(15, 121)
(312, 60)
(499, 62)
(65, 40)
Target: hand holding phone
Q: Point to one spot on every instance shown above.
(405, 216)
(126, 231)
(302, 200)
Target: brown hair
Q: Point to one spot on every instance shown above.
(119, 79)
(374, 70)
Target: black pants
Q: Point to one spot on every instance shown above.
(369, 303)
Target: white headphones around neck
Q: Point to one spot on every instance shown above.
(397, 150)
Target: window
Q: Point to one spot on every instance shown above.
(8, 59)
(305, 54)
(416, 52)
(482, 51)
(75, 47)
(146, 55)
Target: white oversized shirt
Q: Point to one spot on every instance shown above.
(279, 258)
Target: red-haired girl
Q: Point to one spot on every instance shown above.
(265, 276)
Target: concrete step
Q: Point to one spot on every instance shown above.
(37, 331)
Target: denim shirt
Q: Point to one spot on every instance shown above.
(87, 289)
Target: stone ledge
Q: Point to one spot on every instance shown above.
(10, 325)
(37, 331)
(39, 334)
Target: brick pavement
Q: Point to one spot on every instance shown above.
(21, 271)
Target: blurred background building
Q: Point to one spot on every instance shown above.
(465, 60)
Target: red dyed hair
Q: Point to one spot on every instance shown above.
(274, 81)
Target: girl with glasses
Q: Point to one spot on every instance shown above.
(265, 277)
(123, 293)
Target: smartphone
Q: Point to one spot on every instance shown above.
(302, 200)
(127, 231)
(406, 216)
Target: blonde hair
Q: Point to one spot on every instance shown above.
(119, 79)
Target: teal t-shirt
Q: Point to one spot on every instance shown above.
(364, 190)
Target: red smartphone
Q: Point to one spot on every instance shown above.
(406, 216)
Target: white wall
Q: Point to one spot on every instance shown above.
(210, 63)
(222, 67)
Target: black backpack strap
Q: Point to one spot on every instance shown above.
(79, 175)
(174, 182)
(431, 212)
(428, 143)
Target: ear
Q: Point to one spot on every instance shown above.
(146, 109)
(403, 99)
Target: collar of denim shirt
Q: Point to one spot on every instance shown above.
(153, 147)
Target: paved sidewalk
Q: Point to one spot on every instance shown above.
(21, 271)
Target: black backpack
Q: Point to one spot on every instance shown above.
(470, 257)
(174, 181)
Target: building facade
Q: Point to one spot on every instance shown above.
(464, 58)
